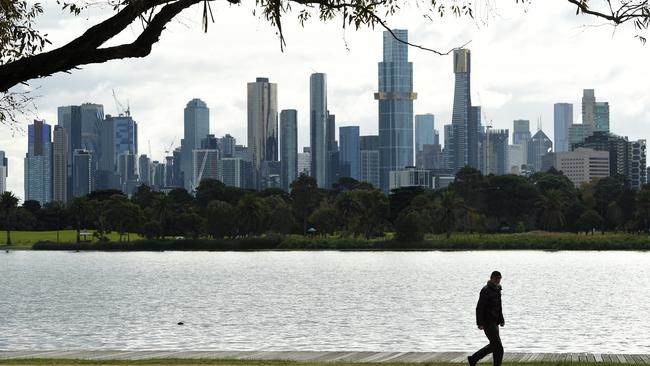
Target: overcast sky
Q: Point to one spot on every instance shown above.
(523, 61)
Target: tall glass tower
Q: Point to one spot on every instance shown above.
(38, 163)
(350, 152)
(460, 118)
(262, 126)
(562, 120)
(196, 126)
(395, 98)
(288, 147)
(318, 117)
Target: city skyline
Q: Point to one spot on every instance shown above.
(503, 96)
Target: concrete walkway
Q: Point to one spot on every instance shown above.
(450, 357)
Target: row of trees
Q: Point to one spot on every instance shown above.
(472, 203)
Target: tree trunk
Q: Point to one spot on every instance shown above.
(8, 237)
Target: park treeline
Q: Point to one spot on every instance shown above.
(351, 213)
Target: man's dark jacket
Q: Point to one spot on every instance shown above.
(488, 309)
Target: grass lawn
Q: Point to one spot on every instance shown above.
(25, 239)
(183, 362)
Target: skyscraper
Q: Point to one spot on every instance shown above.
(588, 104)
(82, 125)
(521, 131)
(288, 147)
(494, 154)
(538, 146)
(369, 160)
(395, 106)
(4, 171)
(350, 152)
(82, 172)
(196, 126)
(38, 163)
(119, 135)
(473, 131)
(206, 165)
(318, 117)
(424, 134)
(562, 121)
(461, 110)
(227, 146)
(60, 165)
(262, 125)
(304, 161)
(595, 114)
(144, 170)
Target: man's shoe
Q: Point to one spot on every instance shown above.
(471, 362)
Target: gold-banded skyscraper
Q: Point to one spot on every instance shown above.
(395, 106)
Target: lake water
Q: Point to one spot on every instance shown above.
(370, 301)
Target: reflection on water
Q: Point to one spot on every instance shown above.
(373, 301)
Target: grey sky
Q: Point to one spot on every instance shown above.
(523, 61)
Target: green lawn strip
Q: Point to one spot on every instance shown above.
(534, 240)
(199, 361)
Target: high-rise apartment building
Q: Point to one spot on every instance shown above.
(395, 106)
(350, 152)
(318, 121)
(562, 121)
(38, 163)
(288, 147)
(196, 126)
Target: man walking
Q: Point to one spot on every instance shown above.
(489, 315)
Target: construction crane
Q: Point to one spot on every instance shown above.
(120, 108)
(171, 147)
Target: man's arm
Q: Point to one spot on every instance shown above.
(480, 310)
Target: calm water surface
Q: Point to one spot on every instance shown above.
(373, 301)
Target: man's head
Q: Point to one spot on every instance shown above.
(495, 277)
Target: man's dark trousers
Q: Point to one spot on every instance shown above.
(495, 347)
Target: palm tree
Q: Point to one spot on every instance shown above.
(552, 204)
(163, 206)
(8, 203)
(348, 207)
(450, 208)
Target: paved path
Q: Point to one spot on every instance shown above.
(451, 357)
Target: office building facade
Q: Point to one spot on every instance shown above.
(562, 121)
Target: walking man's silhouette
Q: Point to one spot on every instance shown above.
(489, 315)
